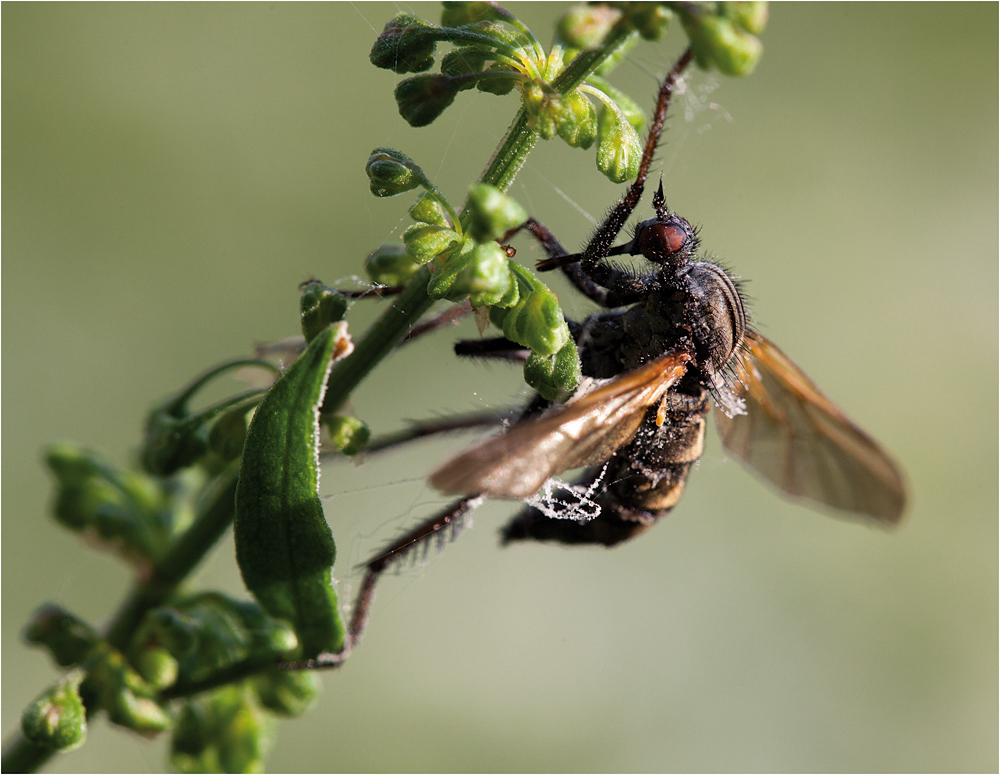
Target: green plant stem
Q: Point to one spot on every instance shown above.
(189, 550)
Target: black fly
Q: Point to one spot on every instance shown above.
(671, 343)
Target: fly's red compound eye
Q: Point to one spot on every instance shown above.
(667, 242)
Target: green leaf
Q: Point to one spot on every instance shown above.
(284, 546)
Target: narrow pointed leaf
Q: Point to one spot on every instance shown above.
(284, 546)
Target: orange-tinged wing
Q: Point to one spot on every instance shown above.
(796, 438)
(586, 431)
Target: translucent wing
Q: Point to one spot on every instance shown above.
(586, 431)
(796, 438)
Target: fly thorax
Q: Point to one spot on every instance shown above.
(716, 316)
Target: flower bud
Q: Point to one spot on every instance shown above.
(423, 98)
(543, 106)
(391, 172)
(535, 321)
(125, 696)
(68, 639)
(228, 434)
(157, 666)
(586, 26)
(485, 278)
(425, 242)
(498, 79)
(427, 209)
(577, 121)
(721, 43)
(57, 720)
(456, 14)
(619, 150)
(287, 692)
(749, 16)
(556, 376)
(465, 61)
(319, 307)
(492, 213)
(406, 45)
(348, 434)
(222, 731)
(391, 265)
(650, 20)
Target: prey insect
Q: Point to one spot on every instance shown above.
(670, 343)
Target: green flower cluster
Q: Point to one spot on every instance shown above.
(468, 261)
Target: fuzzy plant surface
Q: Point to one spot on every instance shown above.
(212, 671)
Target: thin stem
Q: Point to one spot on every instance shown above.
(185, 554)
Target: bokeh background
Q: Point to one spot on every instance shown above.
(173, 171)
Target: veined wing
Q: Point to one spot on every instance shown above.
(586, 431)
(796, 438)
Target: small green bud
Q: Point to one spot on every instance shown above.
(406, 45)
(425, 242)
(650, 20)
(68, 639)
(287, 692)
(498, 79)
(465, 61)
(348, 434)
(554, 376)
(485, 277)
(577, 123)
(423, 98)
(619, 150)
(391, 265)
(719, 42)
(535, 321)
(492, 213)
(57, 720)
(443, 277)
(125, 696)
(427, 209)
(457, 14)
(544, 107)
(228, 434)
(391, 172)
(749, 16)
(174, 630)
(140, 714)
(223, 731)
(157, 666)
(586, 26)
(319, 307)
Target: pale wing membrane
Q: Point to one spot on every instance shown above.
(586, 431)
(795, 437)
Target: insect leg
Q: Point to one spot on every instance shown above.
(451, 315)
(600, 245)
(498, 348)
(451, 519)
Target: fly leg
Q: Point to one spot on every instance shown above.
(441, 527)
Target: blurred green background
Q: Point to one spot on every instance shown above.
(173, 171)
